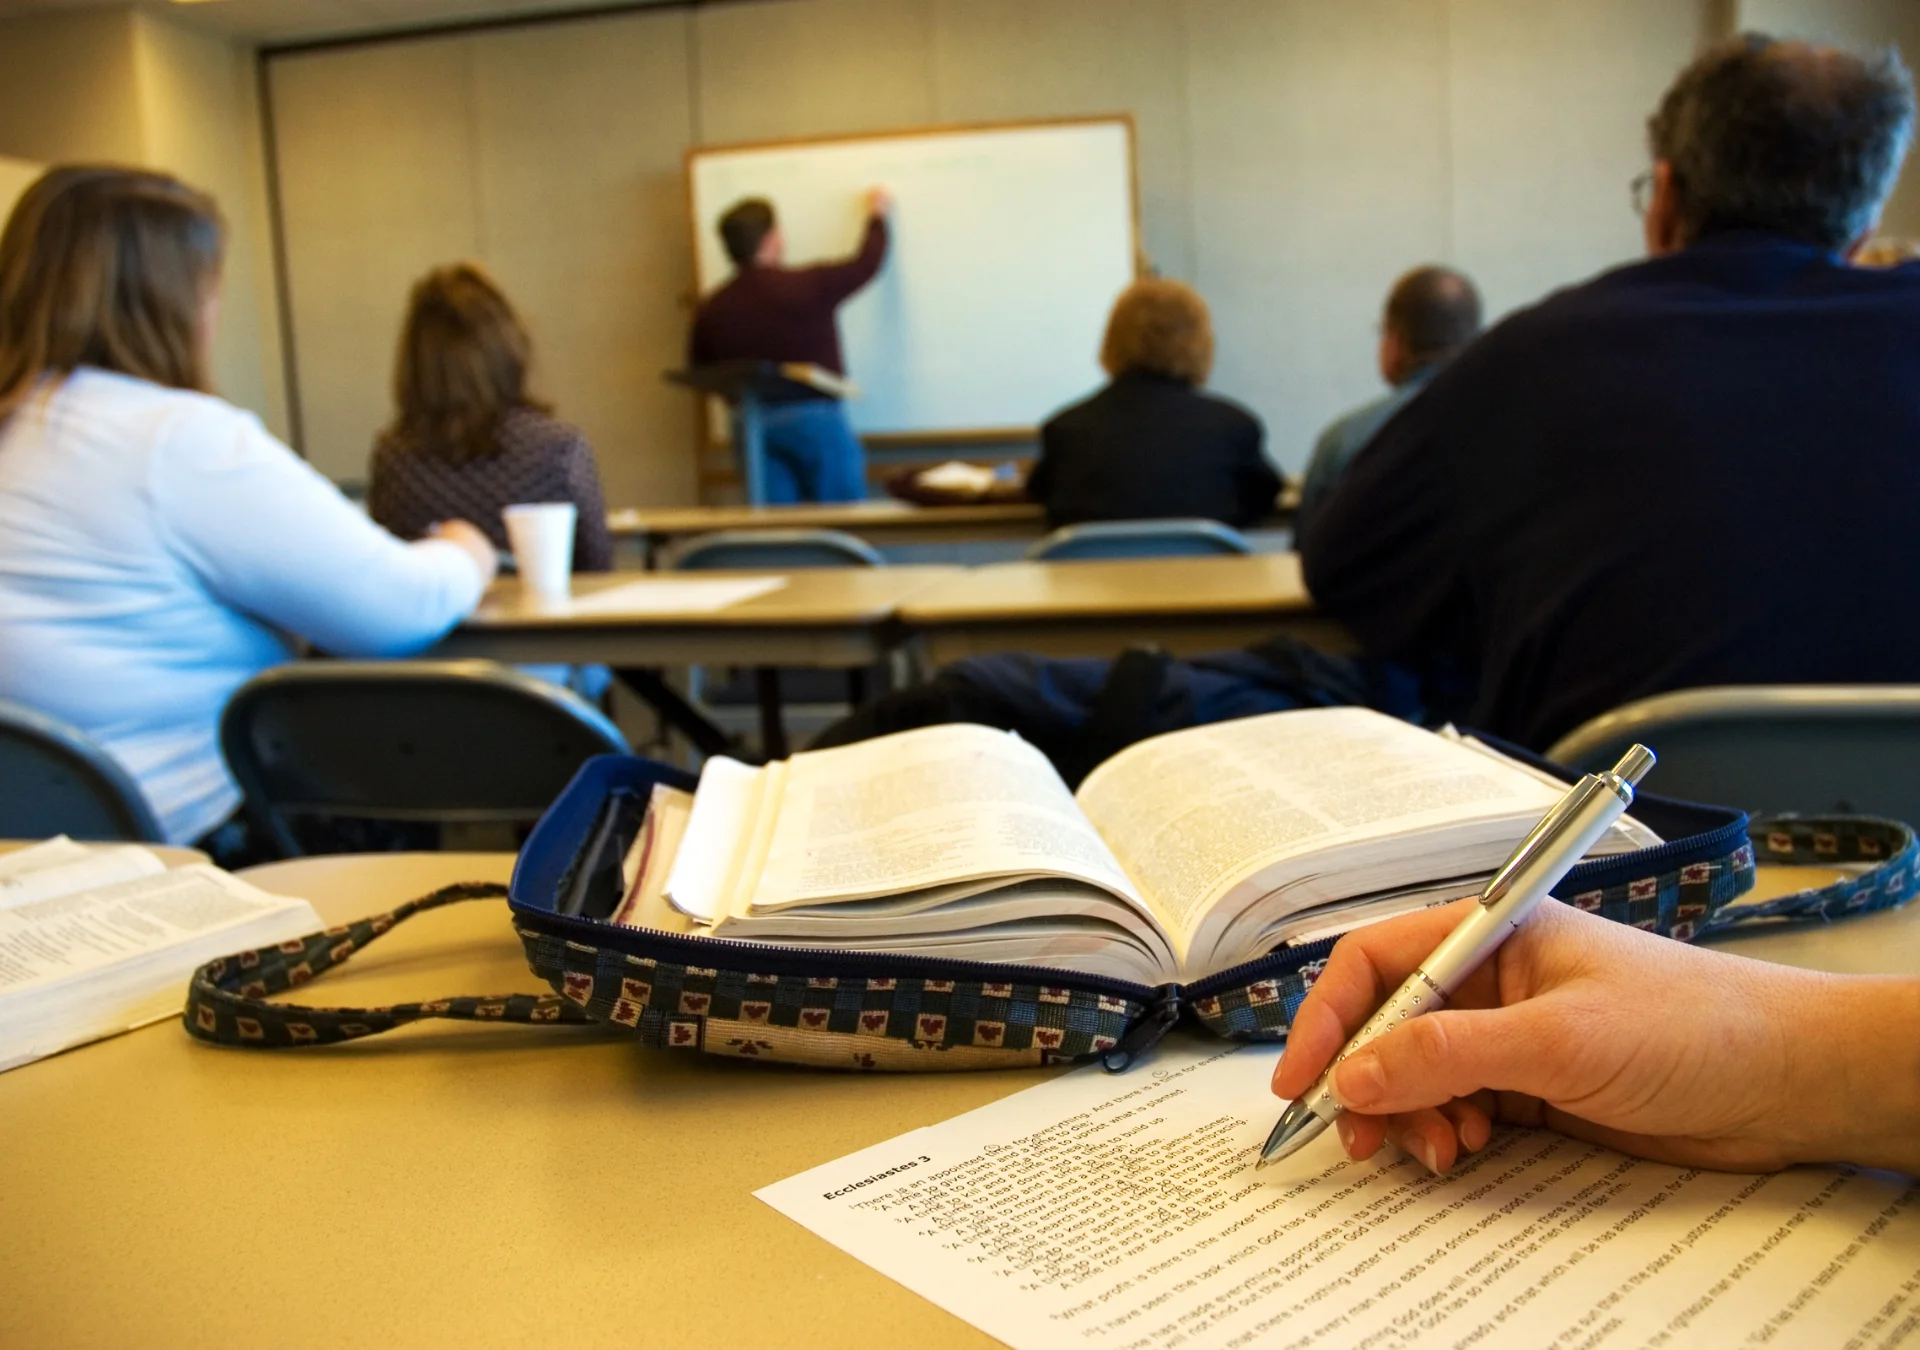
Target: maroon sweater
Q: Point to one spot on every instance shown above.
(785, 313)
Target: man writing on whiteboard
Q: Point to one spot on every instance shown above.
(771, 312)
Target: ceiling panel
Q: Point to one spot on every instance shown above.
(273, 21)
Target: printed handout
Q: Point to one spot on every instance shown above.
(1122, 1211)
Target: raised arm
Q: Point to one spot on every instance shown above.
(268, 535)
(834, 282)
(1605, 1032)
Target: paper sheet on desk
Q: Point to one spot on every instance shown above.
(673, 595)
(1122, 1211)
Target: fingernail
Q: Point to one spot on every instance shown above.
(1359, 1082)
(1428, 1153)
(1344, 1128)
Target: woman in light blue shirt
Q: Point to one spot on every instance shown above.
(158, 547)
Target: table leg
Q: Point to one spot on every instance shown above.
(676, 712)
(751, 437)
(773, 731)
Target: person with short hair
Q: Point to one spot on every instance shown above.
(771, 312)
(1431, 314)
(1153, 443)
(158, 548)
(1694, 470)
(467, 438)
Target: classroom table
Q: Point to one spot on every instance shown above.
(828, 618)
(880, 523)
(457, 1184)
(1189, 606)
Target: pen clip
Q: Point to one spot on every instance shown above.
(1617, 782)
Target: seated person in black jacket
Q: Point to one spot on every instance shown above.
(1151, 444)
(1699, 469)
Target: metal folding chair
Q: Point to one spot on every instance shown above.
(1113, 539)
(1805, 748)
(453, 742)
(54, 780)
(776, 551)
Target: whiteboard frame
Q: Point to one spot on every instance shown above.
(907, 440)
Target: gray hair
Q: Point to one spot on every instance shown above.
(1786, 137)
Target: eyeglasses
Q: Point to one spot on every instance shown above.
(1640, 192)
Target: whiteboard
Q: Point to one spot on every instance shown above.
(1009, 246)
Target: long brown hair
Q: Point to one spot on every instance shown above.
(107, 267)
(462, 365)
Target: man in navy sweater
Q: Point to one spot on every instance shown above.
(1700, 469)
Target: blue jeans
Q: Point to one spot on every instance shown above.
(812, 453)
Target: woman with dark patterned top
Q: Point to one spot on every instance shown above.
(468, 440)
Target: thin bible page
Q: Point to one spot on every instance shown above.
(1191, 813)
(46, 941)
(1123, 1212)
(923, 808)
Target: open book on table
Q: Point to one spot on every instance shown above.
(1182, 856)
(96, 940)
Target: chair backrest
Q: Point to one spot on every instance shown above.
(54, 780)
(450, 741)
(1138, 539)
(775, 550)
(1805, 748)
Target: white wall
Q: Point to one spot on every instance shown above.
(199, 121)
(16, 175)
(1295, 156)
(119, 87)
(67, 87)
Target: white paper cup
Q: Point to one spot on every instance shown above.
(542, 537)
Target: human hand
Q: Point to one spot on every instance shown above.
(879, 202)
(1617, 1036)
(473, 542)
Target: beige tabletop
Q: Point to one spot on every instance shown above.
(443, 1185)
(832, 617)
(1187, 605)
(476, 1186)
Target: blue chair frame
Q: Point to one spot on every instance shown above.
(777, 551)
(1814, 749)
(55, 780)
(443, 741)
(1116, 539)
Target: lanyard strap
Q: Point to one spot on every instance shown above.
(227, 999)
(1887, 849)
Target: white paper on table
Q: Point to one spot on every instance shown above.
(671, 595)
(1123, 1212)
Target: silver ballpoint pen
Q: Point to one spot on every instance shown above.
(1547, 854)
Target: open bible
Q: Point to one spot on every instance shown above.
(1182, 856)
(100, 939)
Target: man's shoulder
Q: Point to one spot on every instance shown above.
(1092, 410)
(719, 297)
(1228, 412)
(1365, 415)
